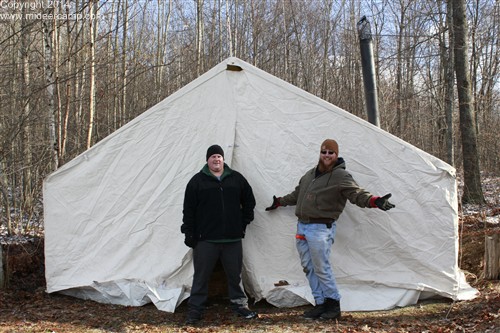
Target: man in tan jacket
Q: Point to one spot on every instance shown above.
(320, 197)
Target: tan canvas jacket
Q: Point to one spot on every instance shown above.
(323, 198)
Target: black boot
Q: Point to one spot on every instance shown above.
(193, 317)
(332, 309)
(245, 312)
(315, 312)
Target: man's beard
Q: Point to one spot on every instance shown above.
(322, 167)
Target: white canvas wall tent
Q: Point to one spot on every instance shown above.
(113, 214)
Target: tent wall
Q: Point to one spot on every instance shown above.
(113, 214)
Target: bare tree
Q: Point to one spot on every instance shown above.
(326, 47)
(447, 56)
(124, 70)
(199, 36)
(162, 36)
(96, 75)
(229, 38)
(50, 81)
(472, 180)
(485, 60)
(26, 107)
(92, 46)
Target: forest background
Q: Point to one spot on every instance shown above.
(74, 71)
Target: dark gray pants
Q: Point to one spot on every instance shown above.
(205, 256)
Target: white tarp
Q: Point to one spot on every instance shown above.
(113, 214)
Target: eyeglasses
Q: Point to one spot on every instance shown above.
(329, 152)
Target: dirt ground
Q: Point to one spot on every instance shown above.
(26, 307)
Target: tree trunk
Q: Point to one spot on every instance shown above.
(229, 32)
(55, 43)
(472, 179)
(69, 69)
(49, 78)
(5, 196)
(123, 116)
(449, 80)
(199, 37)
(26, 107)
(116, 90)
(326, 44)
(162, 36)
(492, 257)
(92, 74)
(399, 130)
(286, 48)
(300, 51)
(80, 78)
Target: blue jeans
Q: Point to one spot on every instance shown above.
(314, 244)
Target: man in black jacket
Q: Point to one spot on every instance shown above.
(218, 205)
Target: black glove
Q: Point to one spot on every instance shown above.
(276, 203)
(190, 241)
(383, 202)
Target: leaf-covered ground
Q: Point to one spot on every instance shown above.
(37, 311)
(26, 307)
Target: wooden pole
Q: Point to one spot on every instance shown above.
(492, 257)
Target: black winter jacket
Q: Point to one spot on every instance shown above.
(217, 209)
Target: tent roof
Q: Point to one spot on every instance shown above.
(113, 214)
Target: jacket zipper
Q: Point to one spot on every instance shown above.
(223, 206)
(304, 198)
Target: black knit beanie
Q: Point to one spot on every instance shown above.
(214, 149)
